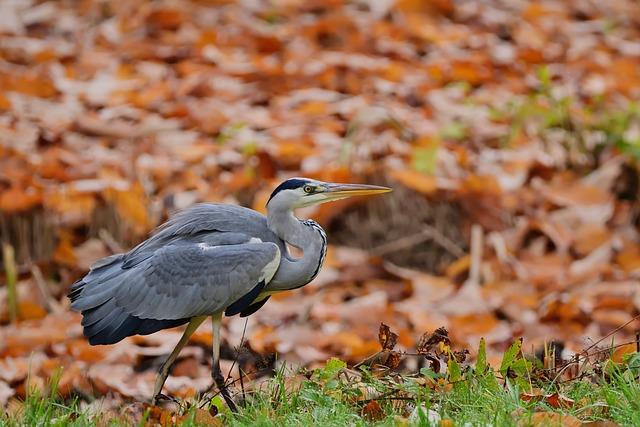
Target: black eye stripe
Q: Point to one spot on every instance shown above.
(290, 184)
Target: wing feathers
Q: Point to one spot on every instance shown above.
(151, 290)
(254, 307)
(246, 300)
(194, 280)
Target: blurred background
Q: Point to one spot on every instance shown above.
(508, 129)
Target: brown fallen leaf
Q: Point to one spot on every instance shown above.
(621, 352)
(544, 419)
(600, 423)
(428, 342)
(131, 206)
(202, 418)
(6, 393)
(19, 200)
(372, 411)
(393, 360)
(555, 400)
(425, 184)
(387, 338)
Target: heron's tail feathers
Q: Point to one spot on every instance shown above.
(97, 286)
(108, 324)
(103, 320)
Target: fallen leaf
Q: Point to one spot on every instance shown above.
(387, 338)
(131, 206)
(203, 418)
(19, 200)
(425, 184)
(539, 419)
(428, 342)
(555, 400)
(372, 411)
(6, 393)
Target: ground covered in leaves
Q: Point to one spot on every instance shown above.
(508, 129)
(524, 390)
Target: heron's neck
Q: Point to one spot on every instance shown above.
(305, 235)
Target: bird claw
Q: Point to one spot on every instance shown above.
(224, 392)
(160, 397)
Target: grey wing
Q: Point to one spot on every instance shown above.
(201, 221)
(169, 286)
(185, 281)
(154, 277)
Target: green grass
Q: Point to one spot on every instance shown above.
(336, 396)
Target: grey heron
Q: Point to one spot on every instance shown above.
(207, 260)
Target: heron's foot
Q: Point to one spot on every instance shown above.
(163, 398)
(228, 399)
(218, 380)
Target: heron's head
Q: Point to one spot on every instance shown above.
(302, 192)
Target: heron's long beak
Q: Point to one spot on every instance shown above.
(340, 191)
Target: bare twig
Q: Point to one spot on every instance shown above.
(244, 396)
(8, 257)
(111, 243)
(611, 333)
(476, 254)
(244, 331)
(50, 304)
(428, 233)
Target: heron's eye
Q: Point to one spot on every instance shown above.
(308, 189)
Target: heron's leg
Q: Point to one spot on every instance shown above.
(216, 373)
(163, 373)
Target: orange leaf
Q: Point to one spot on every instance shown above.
(5, 104)
(372, 411)
(543, 419)
(556, 400)
(425, 184)
(30, 310)
(456, 269)
(151, 95)
(474, 72)
(313, 108)
(394, 72)
(589, 237)
(71, 205)
(473, 324)
(131, 206)
(201, 418)
(80, 349)
(28, 83)
(576, 194)
(629, 257)
(64, 253)
(19, 200)
(166, 19)
(622, 351)
(432, 7)
(482, 184)
(292, 152)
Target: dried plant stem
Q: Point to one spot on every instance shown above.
(9, 260)
(50, 304)
(634, 318)
(108, 240)
(476, 254)
(428, 233)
